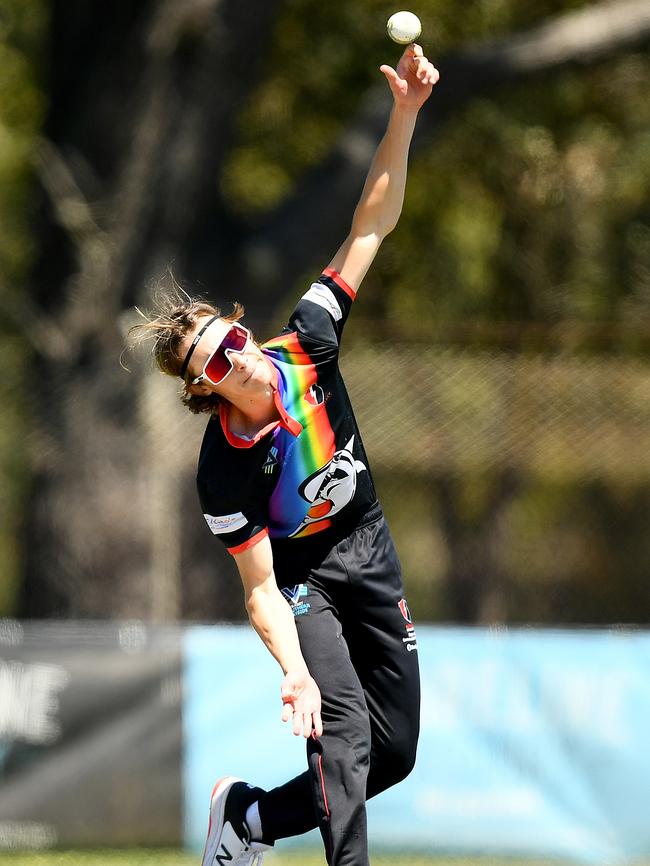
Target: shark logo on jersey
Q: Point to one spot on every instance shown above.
(315, 396)
(331, 487)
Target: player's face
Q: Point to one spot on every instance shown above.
(247, 371)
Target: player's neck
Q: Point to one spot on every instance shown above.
(248, 417)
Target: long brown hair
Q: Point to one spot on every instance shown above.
(174, 315)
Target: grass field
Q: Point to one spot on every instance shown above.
(177, 858)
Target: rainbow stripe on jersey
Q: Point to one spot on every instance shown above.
(301, 455)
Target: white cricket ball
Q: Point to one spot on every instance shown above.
(404, 27)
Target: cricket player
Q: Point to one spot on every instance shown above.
(284, 483)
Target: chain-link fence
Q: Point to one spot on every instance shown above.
(517, 488)
(424, 410)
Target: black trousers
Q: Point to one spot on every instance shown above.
(359, 645)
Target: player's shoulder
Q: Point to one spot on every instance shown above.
(214, 456)
(322, 310)
(227, 462)
(333, 280)
(213, 438)
(331, 293)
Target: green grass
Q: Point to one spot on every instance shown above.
(142, 857)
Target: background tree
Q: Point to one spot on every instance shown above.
(180, 134)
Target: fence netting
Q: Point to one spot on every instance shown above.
(517, 486)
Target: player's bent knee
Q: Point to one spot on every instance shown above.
(401, 765)
(390, 765)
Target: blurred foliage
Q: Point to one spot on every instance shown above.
(23, 26)
(566, 552)
(323, 59)
(526, 227)
(536, 207)
(533, 207)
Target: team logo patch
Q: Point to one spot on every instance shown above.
(410, 641)
(271, 461)
(293, 594)
(315, 396)
(331, 487)
(404, 610)
(225, 523)
(325, 298)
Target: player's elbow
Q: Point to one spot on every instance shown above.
(257, 597)
(387, 227)
(374, 229)
(255, 610)
(252, 602)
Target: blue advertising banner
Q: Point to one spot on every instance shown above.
(231, 719)
(534, 743)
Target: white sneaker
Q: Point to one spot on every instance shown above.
(229, 842)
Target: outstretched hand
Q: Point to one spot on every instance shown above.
(412, 82)
(301, 704)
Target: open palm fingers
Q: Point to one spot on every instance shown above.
(422, 68)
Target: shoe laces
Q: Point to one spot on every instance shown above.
(250, 857)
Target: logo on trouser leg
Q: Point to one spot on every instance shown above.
(404, 610)
(410, 641)
(293, 594)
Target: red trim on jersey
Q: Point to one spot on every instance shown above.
(340, 282)
(294, 427)
(239, 548)
(241, 441)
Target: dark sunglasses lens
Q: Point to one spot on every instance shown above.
(219, 365)
(235, 339)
